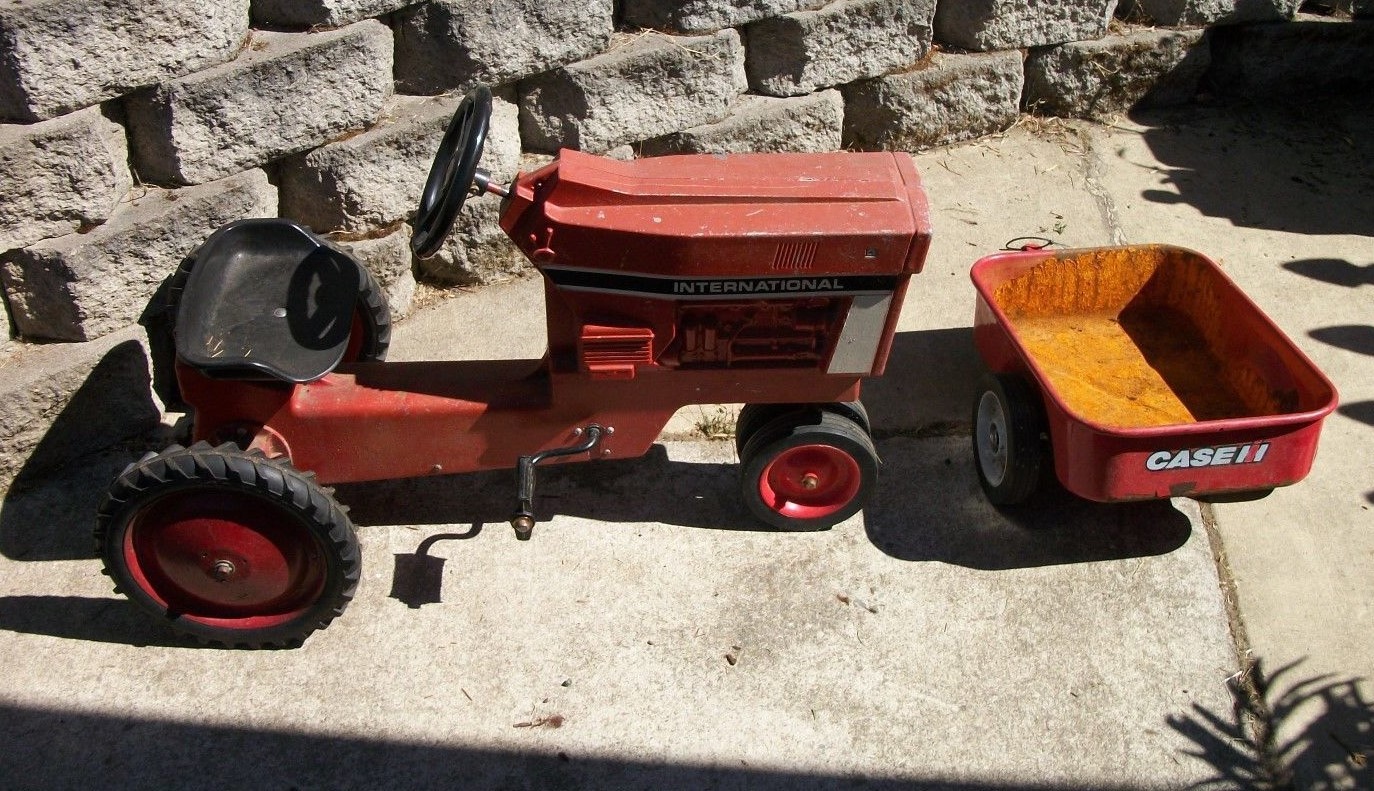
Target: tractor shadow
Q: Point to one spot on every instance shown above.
(96, 620)
(929, 508)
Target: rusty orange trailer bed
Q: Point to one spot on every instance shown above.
(1148, 371)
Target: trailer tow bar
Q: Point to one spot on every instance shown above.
(523, 519)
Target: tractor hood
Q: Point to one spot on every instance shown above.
(724, 215)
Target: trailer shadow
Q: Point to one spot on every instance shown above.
(941, 515)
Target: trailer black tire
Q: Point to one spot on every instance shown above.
(1009, 438)
(228, 546)
(808, 470)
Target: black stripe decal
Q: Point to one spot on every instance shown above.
(718, 287)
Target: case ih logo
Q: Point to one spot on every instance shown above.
(1221, 456)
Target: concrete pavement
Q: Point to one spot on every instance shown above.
(650, 636)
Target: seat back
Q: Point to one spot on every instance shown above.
(267, 298)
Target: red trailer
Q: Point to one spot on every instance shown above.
(1135, 373)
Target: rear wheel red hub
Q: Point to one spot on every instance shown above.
(225, 557)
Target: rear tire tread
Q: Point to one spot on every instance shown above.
(226, 465)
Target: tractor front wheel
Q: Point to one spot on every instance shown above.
(228, 546)
(752, 417)
(808, 470)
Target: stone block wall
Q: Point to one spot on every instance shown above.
(128, 132)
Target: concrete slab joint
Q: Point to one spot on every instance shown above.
(286, 92)
(62, 55)
(955, 97)
(1109, 76)
(374, 179)
(849, 40)
(83, 286)
(644, 86)
(446, 45)
(1009, 24)
(59, 176)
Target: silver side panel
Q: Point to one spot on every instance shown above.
(863, 329)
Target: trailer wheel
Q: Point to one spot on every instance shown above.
(752, 416)
(228, 546)
(1008, 438)
(808, 470)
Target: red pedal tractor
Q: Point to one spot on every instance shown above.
(769, 279)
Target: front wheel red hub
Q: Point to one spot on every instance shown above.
(810, 481)
(225, 557)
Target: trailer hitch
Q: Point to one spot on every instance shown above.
(523, 519)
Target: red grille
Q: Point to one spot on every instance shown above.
(613, 352)
(795, 255)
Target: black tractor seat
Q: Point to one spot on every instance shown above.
(268, 298)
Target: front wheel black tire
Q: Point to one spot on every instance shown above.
(1009, 438)
(808, 470)
(754, 416)
(228, 546)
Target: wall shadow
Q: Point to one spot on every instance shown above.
(1260, 744)
(66, 749)
(1276, 166)
(51, 494)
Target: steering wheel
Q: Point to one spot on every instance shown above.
(452, 174)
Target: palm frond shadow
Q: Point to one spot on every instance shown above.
(1256, 746)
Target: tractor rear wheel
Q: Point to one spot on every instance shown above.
(808, 470)
(228, 546)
